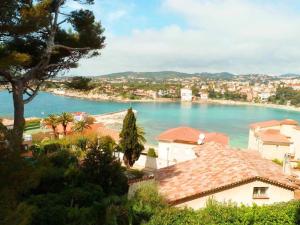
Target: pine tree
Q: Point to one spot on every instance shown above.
(130, 142)
(36, 44)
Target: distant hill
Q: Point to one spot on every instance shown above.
(293, 75)
(168, 75)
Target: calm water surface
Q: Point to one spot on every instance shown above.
(157, 117)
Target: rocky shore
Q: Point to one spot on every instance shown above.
(101, 97)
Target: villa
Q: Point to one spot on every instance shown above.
(276, 138)
(186, 94)
(223, 174)
(177, 144)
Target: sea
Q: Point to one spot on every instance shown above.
(156, 117)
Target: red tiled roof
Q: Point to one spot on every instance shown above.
(269, 123)
(217, 168)
(104, 131)
(289, 122)
(186, 134)
(272, 123)
(191, 136)
(273, 136)
(217, 138)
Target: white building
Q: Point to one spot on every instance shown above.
(177, 144)
(264, 96)
(273, 139)
(203, 95)
(223, 174)
(186, 94)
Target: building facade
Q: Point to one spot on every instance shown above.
(274, 139)
(186, 94)
(223, 174)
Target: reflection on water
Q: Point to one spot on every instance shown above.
(157, 117)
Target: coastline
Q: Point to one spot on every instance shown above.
(97, 97)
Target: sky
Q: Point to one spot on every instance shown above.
(238, 36)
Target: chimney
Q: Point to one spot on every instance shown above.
(201, 139)
(287, 165)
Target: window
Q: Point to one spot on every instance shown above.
(260, 192)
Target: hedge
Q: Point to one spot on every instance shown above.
(229, 213)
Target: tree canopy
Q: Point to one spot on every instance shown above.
(132, 139)
(38, 40)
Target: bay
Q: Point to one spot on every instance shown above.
(156, 117)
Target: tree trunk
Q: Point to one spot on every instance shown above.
(19, 120)
(65, 130)
(54, 132)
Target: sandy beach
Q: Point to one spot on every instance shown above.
(99, 97)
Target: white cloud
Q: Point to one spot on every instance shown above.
(241, 36)
(117, 15)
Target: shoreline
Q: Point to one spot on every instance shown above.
(99, 98)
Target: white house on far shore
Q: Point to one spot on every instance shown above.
(186, 94)
(275, 138)
(224, 174)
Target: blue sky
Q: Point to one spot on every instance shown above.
(239, 36)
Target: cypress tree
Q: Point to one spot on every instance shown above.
(130, 144)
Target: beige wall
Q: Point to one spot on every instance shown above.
(243, 195)
(252, 142)
(146, 162)
(296, 146)
(175, 152)
(274, 151)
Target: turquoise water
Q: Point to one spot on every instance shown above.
(157, 117)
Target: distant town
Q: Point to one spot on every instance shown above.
(164, 86)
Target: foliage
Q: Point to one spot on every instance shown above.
(152, 153)
(3, 136)
(65, 118)
(36, 43)
(146, 202)
(79, 141)
(229, 213)
(228, 95)
(284, 95)
(52, 121)
(79, 83)
(131, 142)
(58, 189)
(277, 161)
(32, 124)
(135, 173)
(83, 124)
(103, 168)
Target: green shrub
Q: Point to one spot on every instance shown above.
(82, 142)
(152, 153)
(51, 147)
(230, 213)
(146, 202)
(135, 173)
(277, 161)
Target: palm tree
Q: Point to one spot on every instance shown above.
(81, 125)
(65, 118)
(52, 121)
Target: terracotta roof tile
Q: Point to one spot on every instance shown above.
(273, 136)
(215, 168)
(263, 124)
(191, 135)
(104, 131)
(289, 122)
(272, 123)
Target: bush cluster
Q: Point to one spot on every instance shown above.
(229, 213)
